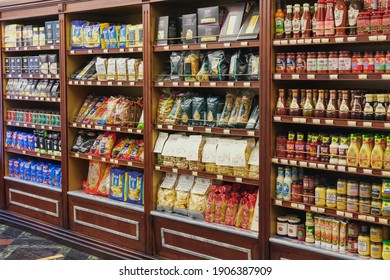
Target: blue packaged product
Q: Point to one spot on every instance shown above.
(123, 36)
(9, 138)
(27, 171)
(114, 36)
(17, 168)
(19, 144)
(46, 174)
(11, 168)
(31, 142)
(22, 169)
(135, 188)
(117, 184)
(52, 175)
(24, 141)
(106, 37)
(15, 139)
(39, 173)
(34, 165)
(58, 178)
(77, 34)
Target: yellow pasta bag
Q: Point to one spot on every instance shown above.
(166, 195)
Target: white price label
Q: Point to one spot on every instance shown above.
(104, 159)
(190, 128)
(329, 122)
(334, 77)
(132, 83)
(109, 83)
(90, 51)
(311, 77)
(186, 84)
(295, 76)
(89, 157)
(362, 76)
(220, 177)
(293, 42)
(105, 51)
(230, 84)
(312, 165)
(373, 38)
(348, 215)
(322, 166)
(203, 46)
(129, 163)
(89, 126)
(317, 41)
(341, 168)
(313, 209)
(251, 133)
(339, 40)
(25, 125)
(121, 50)
(284, 161)
(175, 84)
(120, 83)
(77, 155)
(367, 171)
(331, 167)
(226, 45)
(108, 128)
(166, 48)
(24, 152)
(277, 42)
(159, 126)
(301, 206)
(301, 41)
(175, 170)
(385, 77)
(340, 213)
(386, 174)
(161, 84)
(351, 39)
(185, 47)
(239, 180)
(325, 40)
(362, 217)
(293, 162)
(213, 84)
(383, 221)
(194, 173)
(277, 119)
(118, 129)
(316, 121)
(170, 127)
(370, 219)
(367, 124)
(308, 41)
(99, 127)
(226, 131)
(382, 37)
(352, 123)
(277, 76)
(247, 84)
(352, 169)
(294, 205)
(158, 168)
(208, 130)
(244, 44)
(320, 210)
(279, 202)
(284, 42)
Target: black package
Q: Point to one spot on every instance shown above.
(208, 33)
(25, 69)
(253, 67)
(211, 15)
(49, 32)
(56, 32)
(166, 29)
(53, 64)
(48, 88)
(245, 109)
(186, 111)
(177, 66)
(253, 119)
(238, 66)
(27, 35)
(12, 65)
(218, 66)
(36, 65)
(55, 90)
(215, 106)
(49, 144)
(43, 64)
(227, 109)
(81, 137)
(203, 74)
(251, 26)
(31, 69)
(199, 111)
(189, 30)
(18, 65)
(19, 36)
(7, 65)
(179, 30)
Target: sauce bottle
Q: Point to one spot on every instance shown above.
(296, 22)
(279, 183)
(302, 98)
(287, 182)
(332, 108)
(340, 17)
(344, 106)
(365, 152)
(315, 147)
(307, 146)
(380, 109)
(334, 150)
(368, 111)
(288, 22)
(294, 109)
(306, 21)
(325, 148)
(300, 146)
(308, 108)
(291, 145)
(314, 19)
(319, 110)
(329, 19)
(386, 155)
(320, 19)
(353, 12)
(281, 109)
(356, 110)
(279, 21)
(377, 153)
(344, 145)
(353, 151)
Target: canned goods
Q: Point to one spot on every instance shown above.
(365, 190)
(341, 186)
(352, 188)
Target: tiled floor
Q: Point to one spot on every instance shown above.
(16, 244)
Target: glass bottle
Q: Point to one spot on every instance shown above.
(315, 96)
(279, 21)
(344, 106)
(368, 111)
(356, 110)
(353, 12)
(281, 109)
(291, 145)
(334, 150)
(386, 156)
(314, 19)
(300, 146)
(380, 109)
(302, 98)
(340, 17)
(294, 109)
(377, 153)
(289, 98)
(319, 110)
(288, 22)
(279, 183)
(315, 147)
(353, 151)
(306, 21)
(329, 19)
(320, 19)
(332, 108)
(325, 148)
(308, 108)
(365, 152)
(343, 147)
(307, 146)
(296, 22)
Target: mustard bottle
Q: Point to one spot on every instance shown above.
(377, 153)
(386, 156)
(353, 151)
(365, 152)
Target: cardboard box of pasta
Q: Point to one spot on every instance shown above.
(10, 35)
(166, 30)
(208, 33)
(232, 24)
(251, 26)
(189, 28)
(211, 15)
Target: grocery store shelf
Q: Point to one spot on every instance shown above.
(208, 46)
(225, 84)
(35, 126)
(106, 200)
(332, 167)
(106, 83)
(207, 175)
(121, 129)
(34, 184)
(366, 124)
(106, 51)
(208, 130)
(332, 40)
(107, 160)
(300, 245)
(32, 154)
(32, 48)
(32, 76)
(200, 223)
(33, 98)
(333, 77)
(332, 212)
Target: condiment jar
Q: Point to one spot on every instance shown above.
(341, 186)
(386, 250)
(364, 244)
(296, 192)
(386, 188)
(352, 204)
(282, 226)
(363, 23)
(341, 202)
(376, 207)
(292, 227)
(387, 62)
(376, 250)
(281, 63)
(357, 62)
(291, 63)
(376, 234)
(322, 63)
(353, 230)
(352, 188)
(365, 190)
(368, 62)
(380, 62)
(386, 22)
(301, 63)
(320, 196)
(333, 62)
(376, 191)
(352, 245)
(301, 232)
(345, 62)
(365, 205)
(311, 62)
(310, 231)
(331, 195)
(386, 207)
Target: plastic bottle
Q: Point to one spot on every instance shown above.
(279, 183)
(287, 182)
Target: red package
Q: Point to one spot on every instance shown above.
(249, 209)
(221, 203)
(232, 208)
(210, 205)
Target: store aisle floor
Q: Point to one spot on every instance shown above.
(16, 244)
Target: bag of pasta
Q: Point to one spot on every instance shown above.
(77, 34)
(210, 205)
(135, 191)
(166, 194)
(203, 74)
(118, 178)
(179, 152)
(238, 66)
(100, 114)
(232, 208)
(209, 154)
(215, 105)
(245, 109)
(194, 152)
(122, 112)
(254, 163)
(171, 149)
(198, 198)
(127, 149)
(199, 111)
(191, 66)
(183, 189)
(87, 106)
(96, 144)
(113, 102)
(159, 146)
(247, 215)
(106, 145)
(90, 116)
(235, 112)
(137, 154)
(95, 174)
(227, 109)
(218, 66)
(165, 104)
(253, 119)
(177, 66)
(253, 67)
(239, 157)
(104, 185)
(119, 147)
(186, 111)
(221, 202)
(174, 115)
(223, 156)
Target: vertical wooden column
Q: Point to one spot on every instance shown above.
(148, 137)
(265, 125)
(2, 161)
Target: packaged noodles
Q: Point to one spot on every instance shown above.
(135, 187)
(199, 192)
(118, 182)
(166, 195)
(183, 189)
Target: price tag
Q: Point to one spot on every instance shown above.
(17, 48)
(186, 84)
(308, 41)
(370, 218)
(320, 210)
(341, 168)
(132, 83)
(294, 205)
(99, 83)
(89, 51)
(89, 157)
(322, 166)
(316, 121)
(194, 173)
(40, 76)
(295, 76)
(339, 40)
(112, 160)
(159, 126)
(213, 84)
(83, 125)
(293, 162)
(334, 77)
(239, 180)
(129, 163)
(175, 170)
(185, 47)
(348, 215)
(104, 159)
(352, 123)
(385, 173)
(373, 38)
(33, 125)
(17, 124)
(139, 131)
(77, 155)
(99, 127)
(208, 130)
(329, 122)
(352, 169)
(42, 127)
(362, 217)
(387, 125)
(170, 127)
(275, 160)
(52, 47)
(25, 125)
(251, 133)
(203, 46)
(313, 209)
(312, 165)
(220, 177)
(362, 76)
(331, 167)
(161, 84)
(383, 221)
(340, 213)
(367, 124)
(277, 119)
(311, 77)
(277, 42)
(325, 40)
(120, 84)
(316, 41)
(284, 42)
(367, 171)
(247, 84)
(293, 42)
(244, 44)
(190, 128)
(226, 45)
(296, 120)
(277, 76)
(385, 77)
(105, 51)
(38, 154)
(226, 131)
(109, 128)
(301, 206)
(72, 52)
(382, 37)
(166, 48)
(158, 168)
(301, 41)
(230, 84)
(24, 152)
(89, 83)
(284, 161)
(121, 50)
(351, 39)
(109, 83)
(175, 84)
(118, 129)
(279, 202)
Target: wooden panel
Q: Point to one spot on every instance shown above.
(174, 240)
(33, 202)
(29, 12)
(115, 225)
(278, 252)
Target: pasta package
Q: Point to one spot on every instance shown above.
(199, 111)
(183, 189)
(253, 119)
(93, 111)
(111, 109)
(92, 36)
(123, 35)
(174, 115)
(88, 104)
(235, 112)
(96, 144)
(198, 198)
(165, 105)
(177, 66)
(245, 109)
(186, 111)
(122, 112)
(232, 208)
(215, 107)
(100, 114)
(118, 184)
(194, 153)
(95, 174)
(106, 145)
(203, 74)
(104, 185)
(238, 66)
(159, 146)
(113, 32)
(221, 203)
(166, 194)
(218, 66)
(247, 214)
(121, 69)
(191, 66)
(209, 155)
(253, 67)
(230, 99)
(128, 148)
(239, 157)
(210, 205)
(224, 149)
(111, 69)
(254, 163)
(180, 150)
(101, 68)
(135, 188)
(133, 69)
(77, 34)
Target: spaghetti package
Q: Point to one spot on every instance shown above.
(253, 67)
(198, 198)
(127, 149)
(106, 145)
(245, 211)
(235, 112)
(210, 205)
(96, 144)
(221, 202)
(165, 105)
(166, 195)
(209, 155)
(100, 114)
(95, 174)
(232, 208)
(95, 108)
(118, 182)
(135, 190)
(254, 163)
(77, 34)
(238, 66)
(227, 109)
(88, 104)
(104, 184)
(215, 105)
(113, 102)
(245, 109)
(122, 112)
(183, 189)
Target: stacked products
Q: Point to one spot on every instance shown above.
(338, 235)
(38, 88)
(235, 110)
(40, 141)
(233, 22)
(109, 145)
(35, 171)
(114, 110)
(343, 104)
(225, 156)
(34, 116)
(45, 64)
(111, 69)
(17, 35)
(114, 182)
(213, 66)
(90, 35)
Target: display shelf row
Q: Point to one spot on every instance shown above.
(332, 40)
(32, 154)
(106, 51)
(106, 83)
(120, 162)
(121, 129)
(32, 76)
(207, 46)
(208, 130)
(333, 122)
(332, 212)
(224, 84)
(206, 175)
(33, 98)
(335, 77)
(32, 184)
(34, 126)
(332, 167)
(32, 48)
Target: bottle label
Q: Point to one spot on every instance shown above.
(279, 25)
(296, 25)
(329, 27)
(338, 17)
(352, 16)
(291, 64)
(286, 190)
(322, 64)
(345, 63)
(386, 24)
(357, 64)
(380, 63)
(279, 189)
(333, 64)
(280, 65)
(301, 64)
(305, 25)
(287, 26)
(320, 28)
(314, 25)
(312, 64)
(368, 64)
